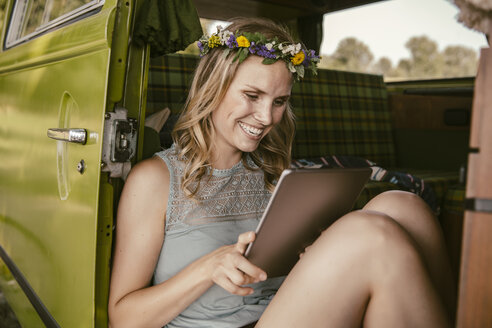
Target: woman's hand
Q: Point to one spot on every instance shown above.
(231, 270)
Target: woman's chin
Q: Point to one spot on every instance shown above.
(250, 146)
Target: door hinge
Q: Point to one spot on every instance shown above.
(119, 143)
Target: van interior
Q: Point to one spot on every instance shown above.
(430, 136)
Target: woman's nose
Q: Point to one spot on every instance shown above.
(263, 113)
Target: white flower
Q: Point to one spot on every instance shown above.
(280, 46)
(289, 48)
(224, 36)
(269, 46)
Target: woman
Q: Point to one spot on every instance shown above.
(187, 214)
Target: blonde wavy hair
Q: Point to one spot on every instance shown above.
(194, 131)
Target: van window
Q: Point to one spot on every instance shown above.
(402, 40)
(33, 17)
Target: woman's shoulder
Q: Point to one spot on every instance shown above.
(171, 157)
(145, 193)
(149, 174)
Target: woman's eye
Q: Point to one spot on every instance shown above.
(279, 102)
(251, 96)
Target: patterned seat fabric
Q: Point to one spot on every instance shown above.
(338, 113)
(169, 80)
(454, 199)
(343, 113)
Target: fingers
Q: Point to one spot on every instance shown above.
(244, 265)
(240, 270)
(243, 240)
(231, 278)
(231, 270)
(255, 273)
(233, 288)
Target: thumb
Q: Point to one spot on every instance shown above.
(243, 240)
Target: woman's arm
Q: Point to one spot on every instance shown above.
(139, 237)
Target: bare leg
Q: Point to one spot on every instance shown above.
(363, 269)
(413, 214)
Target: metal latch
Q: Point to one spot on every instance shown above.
(119, 143)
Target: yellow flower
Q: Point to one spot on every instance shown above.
(242, 42)
(298, 58)
(214, 41)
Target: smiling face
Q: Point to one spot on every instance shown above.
(254, 102)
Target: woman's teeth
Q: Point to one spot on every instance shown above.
(250, 130)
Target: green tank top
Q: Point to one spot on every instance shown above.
(230, 202)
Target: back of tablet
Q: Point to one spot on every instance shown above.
(305, 202)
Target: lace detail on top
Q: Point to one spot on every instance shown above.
(231, 194)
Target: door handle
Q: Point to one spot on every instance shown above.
(68, 135)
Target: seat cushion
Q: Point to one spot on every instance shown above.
(343, 113)
(430, 185)
(454, 199)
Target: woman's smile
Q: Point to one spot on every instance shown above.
(251, 130)
(253, 104)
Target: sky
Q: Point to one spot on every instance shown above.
(386, 26)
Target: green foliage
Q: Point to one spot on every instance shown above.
(351, 55)
(425, 61)
(269, 61)
(459, 61)
(383, 66)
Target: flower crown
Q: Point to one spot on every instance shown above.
(297, 58)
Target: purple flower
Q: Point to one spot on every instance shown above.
(265, 53)
(308, 57)
(232, 43)
(200, 46)
(252, 48)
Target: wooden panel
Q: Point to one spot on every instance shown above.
(426, 112)
(479, 182)
(475, 296)
(480, 94)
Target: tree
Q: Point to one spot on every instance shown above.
(459, 61)
(403, 68)
(351, 55)
(425, 60)
(383, 66)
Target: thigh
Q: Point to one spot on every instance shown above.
(413, 214)
(330, 286)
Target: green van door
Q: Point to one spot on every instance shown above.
(60, 64)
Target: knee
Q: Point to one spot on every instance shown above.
(397, 200)
(371, 231)
(408, 209)
(370, 241)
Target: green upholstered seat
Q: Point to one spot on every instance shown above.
(169, 80)
(339, 113)
(454, 199)
(343, 113)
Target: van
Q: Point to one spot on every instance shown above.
(76, 88)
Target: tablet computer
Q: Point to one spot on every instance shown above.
(304, 203)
